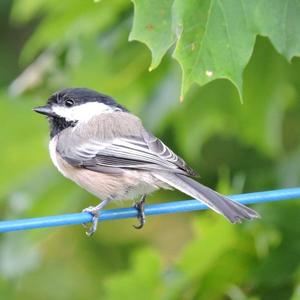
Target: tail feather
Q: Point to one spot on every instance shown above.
(233, 211)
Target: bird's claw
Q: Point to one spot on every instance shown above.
(140, 207)
(95, 216)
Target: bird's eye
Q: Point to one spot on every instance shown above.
(69, 102)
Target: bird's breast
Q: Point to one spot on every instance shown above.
(55, 157)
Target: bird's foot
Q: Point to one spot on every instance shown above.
(95, 212)
(140, 207)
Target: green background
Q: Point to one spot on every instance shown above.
(236, 148)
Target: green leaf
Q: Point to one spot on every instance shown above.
(153, 26)
(215, 42)
(215, 39)
(279, 20)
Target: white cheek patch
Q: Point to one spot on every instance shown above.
(83, 112)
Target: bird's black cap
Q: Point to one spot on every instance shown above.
(82, 95)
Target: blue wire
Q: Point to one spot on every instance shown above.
(153, 209)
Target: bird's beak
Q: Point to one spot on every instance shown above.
(45, 110)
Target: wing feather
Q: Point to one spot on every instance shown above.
(143, 151)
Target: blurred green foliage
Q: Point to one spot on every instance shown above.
(48, 45)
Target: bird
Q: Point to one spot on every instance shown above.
(104, 148)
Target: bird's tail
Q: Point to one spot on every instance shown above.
(233, 211)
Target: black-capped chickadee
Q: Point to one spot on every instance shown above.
(105, 149)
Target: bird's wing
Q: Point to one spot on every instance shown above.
(156, 146)
(133, 152)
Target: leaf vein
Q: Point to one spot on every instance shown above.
(228, 36)
(201, 42)
(284, 25)
(244, 14)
